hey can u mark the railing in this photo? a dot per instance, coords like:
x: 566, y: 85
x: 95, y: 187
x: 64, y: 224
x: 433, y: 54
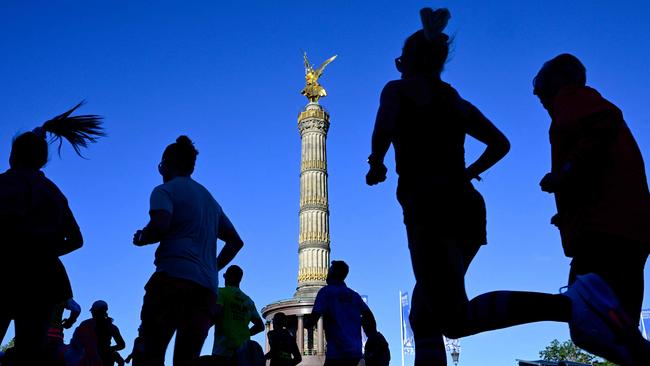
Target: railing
x: 310, y: 352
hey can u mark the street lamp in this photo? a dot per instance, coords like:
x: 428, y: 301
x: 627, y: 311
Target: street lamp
x: 453, y: 346
x: 454, y: 356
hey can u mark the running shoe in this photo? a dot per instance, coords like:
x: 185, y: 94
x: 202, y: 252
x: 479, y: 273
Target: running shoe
x: 598, y: 323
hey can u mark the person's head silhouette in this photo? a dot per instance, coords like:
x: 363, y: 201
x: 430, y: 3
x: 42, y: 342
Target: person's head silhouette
x: 233, y: 276
x: 178, y: 159
x: 30, y: 149
x: 425, y: 51
x: 99, y: 309
x: 557, y: 73
x: 337, y: 273
x: 279, y: 321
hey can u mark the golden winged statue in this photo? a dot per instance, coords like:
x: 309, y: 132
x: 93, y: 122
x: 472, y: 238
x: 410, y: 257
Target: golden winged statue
x: 313, y: 90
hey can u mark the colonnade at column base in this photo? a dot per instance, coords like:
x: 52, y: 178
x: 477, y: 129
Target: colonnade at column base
x: 312, y: 346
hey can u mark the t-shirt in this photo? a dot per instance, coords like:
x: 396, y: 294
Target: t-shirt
x: 91, y: 342
x: 238, y: 311
x: 37, y: 226
x: 606, y: 192
x: 341, y: 309
x: 283, y: 347
x: 189, y: 249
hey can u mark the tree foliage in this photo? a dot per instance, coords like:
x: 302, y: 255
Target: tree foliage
x: 567, y: 351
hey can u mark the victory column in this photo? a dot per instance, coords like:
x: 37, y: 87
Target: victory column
x: 313, y: 238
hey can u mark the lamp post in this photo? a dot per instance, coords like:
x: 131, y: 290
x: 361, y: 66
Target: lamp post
x: 453, y: 346
x: 454, y: 356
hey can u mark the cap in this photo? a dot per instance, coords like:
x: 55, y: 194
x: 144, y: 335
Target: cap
x: 99, y: 305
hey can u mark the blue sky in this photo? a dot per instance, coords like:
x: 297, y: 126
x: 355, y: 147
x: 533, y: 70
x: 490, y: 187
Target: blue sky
x: 229, y: 75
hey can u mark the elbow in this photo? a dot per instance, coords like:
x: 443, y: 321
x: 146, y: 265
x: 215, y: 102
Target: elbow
x: 257, y: 330
x: 120, y: 346
x: 75, y: 241
x: 504, y: 146
x: 237, y: 244
x: 78, y: 243
x: 501, y: 147
x: 369, y: 324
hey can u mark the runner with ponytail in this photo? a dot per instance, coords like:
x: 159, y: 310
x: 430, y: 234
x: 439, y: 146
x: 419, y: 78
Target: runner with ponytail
x: 37, y: 227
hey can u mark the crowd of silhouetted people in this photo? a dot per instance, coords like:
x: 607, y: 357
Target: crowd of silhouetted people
x: 597, y: 177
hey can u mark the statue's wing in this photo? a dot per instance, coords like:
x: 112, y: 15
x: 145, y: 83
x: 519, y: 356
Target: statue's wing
x: 307, y: 64
x: 322, y: 67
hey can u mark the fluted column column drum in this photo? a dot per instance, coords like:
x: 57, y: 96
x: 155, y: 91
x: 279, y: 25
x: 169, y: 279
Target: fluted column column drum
x: 314, y: 233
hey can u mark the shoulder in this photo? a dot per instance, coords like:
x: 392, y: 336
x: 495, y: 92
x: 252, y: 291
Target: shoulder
x: 165, y: 187
x: 244, y: 295
x: 245, y: 299
x: 87, y: 323
x: 321, y: 296
x: 190, y: 181
x: 395, y: 84
x: 175, y: 184
x: 204, y: 191
x: 357, y: 298
x: 453, y: 97
x: 324, y: 291
x: 575, y: 103
x: 11, y: 184
x: 353, y: 293
x: 446, y: 92
x: 392, y: 89
x: 46, y: 183
x: 250, y: 303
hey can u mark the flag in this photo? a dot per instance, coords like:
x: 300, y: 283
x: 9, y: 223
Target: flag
x: 408, y: 344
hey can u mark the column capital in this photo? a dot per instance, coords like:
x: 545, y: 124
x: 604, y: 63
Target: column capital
x: 313, y: 125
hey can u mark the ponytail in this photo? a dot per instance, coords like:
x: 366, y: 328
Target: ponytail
x: 30, y: 148
x: 426, y: 50
x: 78, y: 130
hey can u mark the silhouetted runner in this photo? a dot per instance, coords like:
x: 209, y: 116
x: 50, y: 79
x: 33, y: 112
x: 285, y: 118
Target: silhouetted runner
x: 181, y: 296
x: 55, y: 345
x: 37, y: 228
x: 107, y: 332
x: 603, y: 204
x: 92, y: 341
x: 344, y: 313
x: 137, y: 352
x: 427, y: 121
x: 283, y: 348
x: 237, y: 311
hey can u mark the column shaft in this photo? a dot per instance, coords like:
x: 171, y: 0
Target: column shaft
x: 321, y: 337
x: 313, y: 124
x: 267, y: 346
x: 300, y: 334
